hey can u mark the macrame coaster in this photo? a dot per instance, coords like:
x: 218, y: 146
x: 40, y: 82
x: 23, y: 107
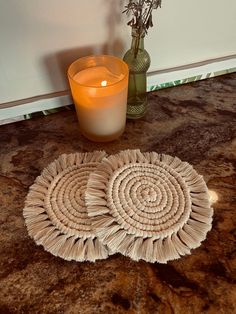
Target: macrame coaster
x: 55, y: 212
x: 148, y: 206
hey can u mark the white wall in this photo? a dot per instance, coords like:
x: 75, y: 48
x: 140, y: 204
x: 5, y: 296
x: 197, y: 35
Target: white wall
x: 190, y: 31
x: 39, y: 38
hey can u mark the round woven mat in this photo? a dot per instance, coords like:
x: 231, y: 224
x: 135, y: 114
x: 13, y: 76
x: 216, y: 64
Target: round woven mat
x: 55, y: 212
x: 148, y: 206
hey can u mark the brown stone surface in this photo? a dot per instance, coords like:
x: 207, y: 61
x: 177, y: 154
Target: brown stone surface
x: 196, y: 122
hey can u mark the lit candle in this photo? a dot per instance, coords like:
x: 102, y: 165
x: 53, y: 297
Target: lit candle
x: 99, y: 89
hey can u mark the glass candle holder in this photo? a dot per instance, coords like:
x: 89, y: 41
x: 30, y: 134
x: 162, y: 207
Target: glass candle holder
x: 99, y: 86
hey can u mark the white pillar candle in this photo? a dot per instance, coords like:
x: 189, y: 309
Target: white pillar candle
x: 100, y: 95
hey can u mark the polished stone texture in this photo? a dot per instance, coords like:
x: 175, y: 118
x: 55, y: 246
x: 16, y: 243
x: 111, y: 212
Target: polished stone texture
x: 197, y: 123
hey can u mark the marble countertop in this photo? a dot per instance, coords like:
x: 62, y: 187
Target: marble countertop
x: 197, y: 123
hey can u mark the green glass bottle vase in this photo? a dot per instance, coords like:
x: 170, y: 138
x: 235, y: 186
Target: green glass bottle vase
x: 138, y: 61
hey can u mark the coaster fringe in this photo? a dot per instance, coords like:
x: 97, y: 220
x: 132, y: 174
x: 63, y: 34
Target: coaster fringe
x: 161, y: 255
x: 114, y: 240
x: 203, y: 228
x: 98, y: 210
x: 147, y: 249
x: 123, y: 247
x: 44, y: 234
x: 170, y: 250
x: 175, y: 163
x: 134, y: 249
x: 194, y: 233
x: 201, y: 218
x: 166, y: 159
x: 47, y: 241
x: 103, y: 222
x: 204, y: 211
x: 180, y: 247
x: 187, y: 239
x: 105, y: 232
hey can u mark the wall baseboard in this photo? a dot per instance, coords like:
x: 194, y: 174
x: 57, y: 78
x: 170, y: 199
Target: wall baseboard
x: 191, y: 72
x: 21, y: 109
x: 43, y: 104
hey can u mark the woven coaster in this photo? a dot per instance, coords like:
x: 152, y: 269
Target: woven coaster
x: 55, y: 212
x: 148, y: 206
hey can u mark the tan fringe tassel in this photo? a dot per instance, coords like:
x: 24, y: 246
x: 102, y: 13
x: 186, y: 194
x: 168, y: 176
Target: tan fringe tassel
x: 55, y: 212
x: 148, y: 206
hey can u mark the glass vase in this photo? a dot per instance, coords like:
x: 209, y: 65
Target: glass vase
x: 138, y: 61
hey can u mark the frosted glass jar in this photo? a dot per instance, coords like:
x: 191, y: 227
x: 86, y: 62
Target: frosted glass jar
x: 99, y: 86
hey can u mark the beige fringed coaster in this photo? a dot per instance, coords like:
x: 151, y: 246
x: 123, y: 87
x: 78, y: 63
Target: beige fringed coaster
x: 55, y: 213
x: 148, y: 206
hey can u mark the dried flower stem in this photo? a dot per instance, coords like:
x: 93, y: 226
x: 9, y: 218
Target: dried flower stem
x: 141, y: 11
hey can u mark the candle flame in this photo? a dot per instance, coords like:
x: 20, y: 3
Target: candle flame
x: 104, y: 83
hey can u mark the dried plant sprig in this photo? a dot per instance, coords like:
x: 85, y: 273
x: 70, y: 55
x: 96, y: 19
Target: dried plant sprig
x: 141, y: 11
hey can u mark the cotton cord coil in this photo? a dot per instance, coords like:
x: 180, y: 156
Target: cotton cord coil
x: 148, y: 206
x: 55, y: 212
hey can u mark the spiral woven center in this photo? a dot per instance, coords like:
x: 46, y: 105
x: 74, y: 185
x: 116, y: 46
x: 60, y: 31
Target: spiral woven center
x: 65, y: 203
x: 149, y: 199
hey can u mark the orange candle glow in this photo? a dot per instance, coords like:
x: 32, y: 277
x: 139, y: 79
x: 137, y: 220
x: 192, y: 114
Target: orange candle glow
x: 99, y: 89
